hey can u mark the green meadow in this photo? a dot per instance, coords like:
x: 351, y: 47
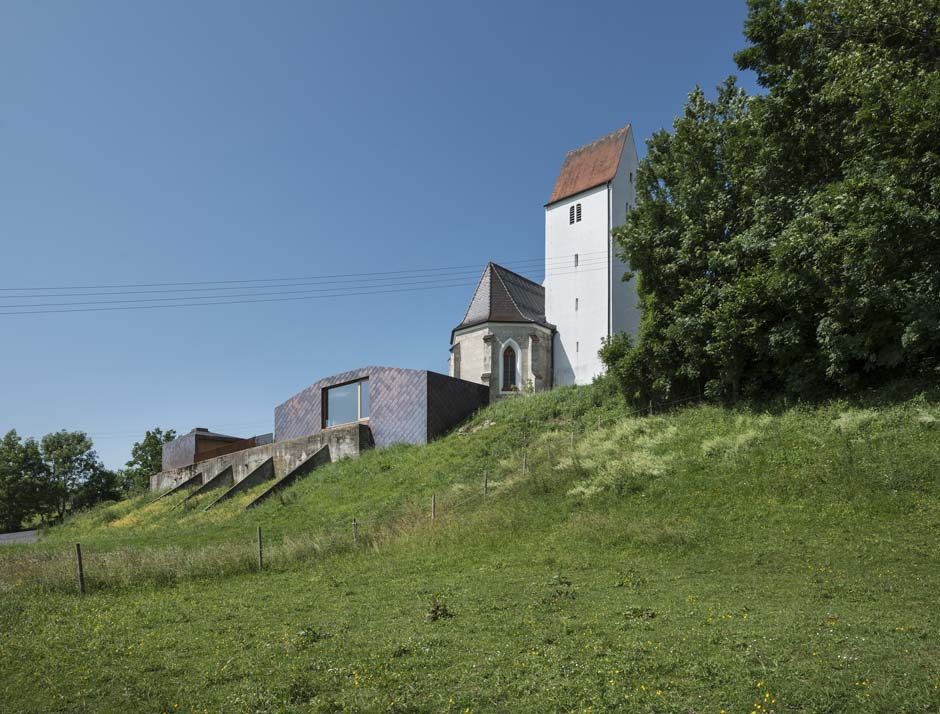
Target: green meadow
x: 703, y: 559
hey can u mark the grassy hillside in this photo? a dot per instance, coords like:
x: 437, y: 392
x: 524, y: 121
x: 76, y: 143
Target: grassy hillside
x: 702, y: 560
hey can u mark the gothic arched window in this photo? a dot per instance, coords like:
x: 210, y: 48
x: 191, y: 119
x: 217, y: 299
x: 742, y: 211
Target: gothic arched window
x: 509, y: 369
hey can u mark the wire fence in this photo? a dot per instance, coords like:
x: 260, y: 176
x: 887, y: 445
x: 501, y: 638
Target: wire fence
x: 263, y: 548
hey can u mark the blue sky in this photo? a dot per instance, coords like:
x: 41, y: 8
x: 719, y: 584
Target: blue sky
x: 207, y: 141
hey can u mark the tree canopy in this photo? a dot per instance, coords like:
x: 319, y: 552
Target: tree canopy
x: 48, y: 478
x: 22, y: 473
x: 791, y: 241
x: 146, y: 458
x: 70, y: 462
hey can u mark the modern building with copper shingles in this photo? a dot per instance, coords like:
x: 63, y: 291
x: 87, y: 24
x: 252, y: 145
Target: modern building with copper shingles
x: 396, y: 406
x: 410, y: 406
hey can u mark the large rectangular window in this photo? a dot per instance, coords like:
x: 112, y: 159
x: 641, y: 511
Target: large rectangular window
x: 346, y: 403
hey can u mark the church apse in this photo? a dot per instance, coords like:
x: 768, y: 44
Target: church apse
x: 504, y: 341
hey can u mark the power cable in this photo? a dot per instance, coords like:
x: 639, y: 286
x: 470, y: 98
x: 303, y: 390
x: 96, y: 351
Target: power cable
x: 425, y: 280
x: 295, y: 282
x: 254, y: 298
x: 267, y: 280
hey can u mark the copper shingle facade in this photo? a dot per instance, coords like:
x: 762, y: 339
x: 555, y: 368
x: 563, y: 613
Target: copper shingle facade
x: 408, y: 406
x: 591, y: 165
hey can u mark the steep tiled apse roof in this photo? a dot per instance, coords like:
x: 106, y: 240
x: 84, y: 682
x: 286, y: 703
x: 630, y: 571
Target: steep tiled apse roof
x: 505, y: 296
x: 590, y: 166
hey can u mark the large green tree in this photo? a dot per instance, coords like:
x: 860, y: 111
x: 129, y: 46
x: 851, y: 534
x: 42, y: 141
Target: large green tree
x: 70, y: 462
x: 47, y: 480
x: 146, y: 459
x: 21, y: 476
x: 792, y: 240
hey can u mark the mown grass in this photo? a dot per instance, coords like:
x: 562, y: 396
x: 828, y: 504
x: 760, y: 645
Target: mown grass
x: 700, y: 560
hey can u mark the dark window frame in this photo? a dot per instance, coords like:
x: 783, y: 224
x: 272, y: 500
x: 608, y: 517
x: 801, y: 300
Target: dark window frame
x: 325, y: 403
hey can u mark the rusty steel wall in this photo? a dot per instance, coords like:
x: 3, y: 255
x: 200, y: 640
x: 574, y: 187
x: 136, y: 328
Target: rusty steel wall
x: 232, y: 446
x: 199, y: 446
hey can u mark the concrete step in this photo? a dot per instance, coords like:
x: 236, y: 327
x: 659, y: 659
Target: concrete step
x: 265, y: 472
x: 225, y: 477
x: 319, y: 458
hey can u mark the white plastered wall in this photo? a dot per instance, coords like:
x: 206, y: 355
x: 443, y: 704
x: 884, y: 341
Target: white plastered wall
x: 580, y: 325
x: 625, y: 312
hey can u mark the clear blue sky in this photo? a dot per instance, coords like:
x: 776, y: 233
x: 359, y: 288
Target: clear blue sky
x: 185, y: 141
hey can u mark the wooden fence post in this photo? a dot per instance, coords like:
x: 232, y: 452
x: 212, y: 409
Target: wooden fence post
x: 651, y: 407
x: 572, y: 439
x: 433, y: 506
x: 355, y: 532
x: 486, y: 484
x: 81, y: 570
x: 260, y: 554
x: 525, y: 455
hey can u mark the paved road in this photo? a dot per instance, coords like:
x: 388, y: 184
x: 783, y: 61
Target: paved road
x: 21, y: 537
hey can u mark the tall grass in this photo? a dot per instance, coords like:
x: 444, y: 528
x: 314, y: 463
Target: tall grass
x: 702, y: 559
x: 570, y: 460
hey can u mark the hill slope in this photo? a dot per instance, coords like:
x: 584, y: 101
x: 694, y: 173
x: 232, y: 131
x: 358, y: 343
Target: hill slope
x: 700, y: 560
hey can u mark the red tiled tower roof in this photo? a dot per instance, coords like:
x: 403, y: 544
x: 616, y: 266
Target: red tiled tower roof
x: 591, y: 165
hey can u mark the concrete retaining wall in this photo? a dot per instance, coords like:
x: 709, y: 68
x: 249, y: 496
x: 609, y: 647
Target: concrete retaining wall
x: 344, y: 442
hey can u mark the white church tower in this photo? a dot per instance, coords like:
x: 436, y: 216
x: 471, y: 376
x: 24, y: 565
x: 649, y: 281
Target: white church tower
x: 585, y: 297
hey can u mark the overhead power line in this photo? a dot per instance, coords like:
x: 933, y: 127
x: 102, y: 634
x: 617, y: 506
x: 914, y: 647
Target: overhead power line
x: 426, y: 280
x: 254, y: 298
x: 555, y: 262
x: 274, y: 279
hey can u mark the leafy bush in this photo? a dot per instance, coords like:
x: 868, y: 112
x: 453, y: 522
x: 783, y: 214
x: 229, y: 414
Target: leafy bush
x: 437, y: 609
